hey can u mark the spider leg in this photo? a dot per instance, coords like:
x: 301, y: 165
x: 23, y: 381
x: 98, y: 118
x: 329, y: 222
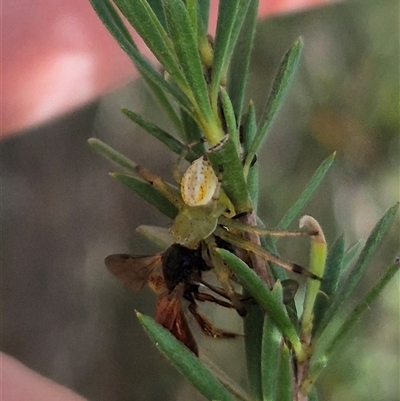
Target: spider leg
x: 264, y: 254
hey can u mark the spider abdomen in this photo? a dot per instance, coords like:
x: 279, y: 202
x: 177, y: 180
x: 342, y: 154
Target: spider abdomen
x: 199, y: 183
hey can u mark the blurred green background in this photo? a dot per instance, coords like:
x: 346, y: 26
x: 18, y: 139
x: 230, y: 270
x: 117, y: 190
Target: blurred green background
x: 65, y: 316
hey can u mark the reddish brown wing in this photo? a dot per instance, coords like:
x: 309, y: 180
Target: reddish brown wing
x: 169, y: 314
x: 134, y: 271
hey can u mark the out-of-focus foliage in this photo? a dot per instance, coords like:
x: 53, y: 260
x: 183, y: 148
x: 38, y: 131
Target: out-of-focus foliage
x: 67, y: 318
x: 345, y: 97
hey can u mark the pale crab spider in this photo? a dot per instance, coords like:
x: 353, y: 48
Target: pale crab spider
x: 205, y: 214
x: 204, y: 201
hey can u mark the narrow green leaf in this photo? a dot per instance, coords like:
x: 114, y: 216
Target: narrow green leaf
x: 159, y: 236
x: 203, y: 13
x: 253, y: 329
x: 230, y: 119
x: 358, y: 270
x: 318, y: 253
x: 191, y: 6
x: 329, y: 285
x: 186, y: 47
x: 163, y: 136
x: 230, y: 18
x: 149, y: 194
x: 365, y: 304
x: 330, y: 347
x: 278, y: 91
x: 109, y: 16
x: 144, y: 20
x: 156, y: 6
x: 156, y: 82
x: 159, y: 94
x: 112, y: 155
x: 263, y: 296
x: 306, y: 194
x: 233, y: 388
x: 249, y: 129
x: 184, y: 360
x: 293, y: 315
x: 192, y: 133
x: 350, y: 254
x: 284, y: 382
x: 113, y: 22
x: 239, y: 66
x: 333, y: 267
x: 270, y: 351
x: 205, y: 46
x: 225, y: 161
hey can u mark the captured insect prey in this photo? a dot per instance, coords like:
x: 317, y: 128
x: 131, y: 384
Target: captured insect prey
x: 180, y: 265
x: 180, y: 280
x: 204, y: 210
x: 286, y: 285
x: 205, y: 216
x: 205, y: 220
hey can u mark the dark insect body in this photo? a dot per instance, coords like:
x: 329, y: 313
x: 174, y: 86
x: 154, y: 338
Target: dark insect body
x: 180, y: 265
x: 181, y: 277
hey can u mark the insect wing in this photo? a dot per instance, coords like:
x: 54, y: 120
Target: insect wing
x: 134, y: 271
x: 169, y: 314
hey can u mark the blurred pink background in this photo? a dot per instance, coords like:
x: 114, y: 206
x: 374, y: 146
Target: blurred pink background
x: 57, y: 55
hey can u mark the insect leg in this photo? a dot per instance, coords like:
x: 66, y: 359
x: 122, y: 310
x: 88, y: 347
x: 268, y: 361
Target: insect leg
x: 169, y: 313
x: 210, y: 298
x: 207, y: 327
